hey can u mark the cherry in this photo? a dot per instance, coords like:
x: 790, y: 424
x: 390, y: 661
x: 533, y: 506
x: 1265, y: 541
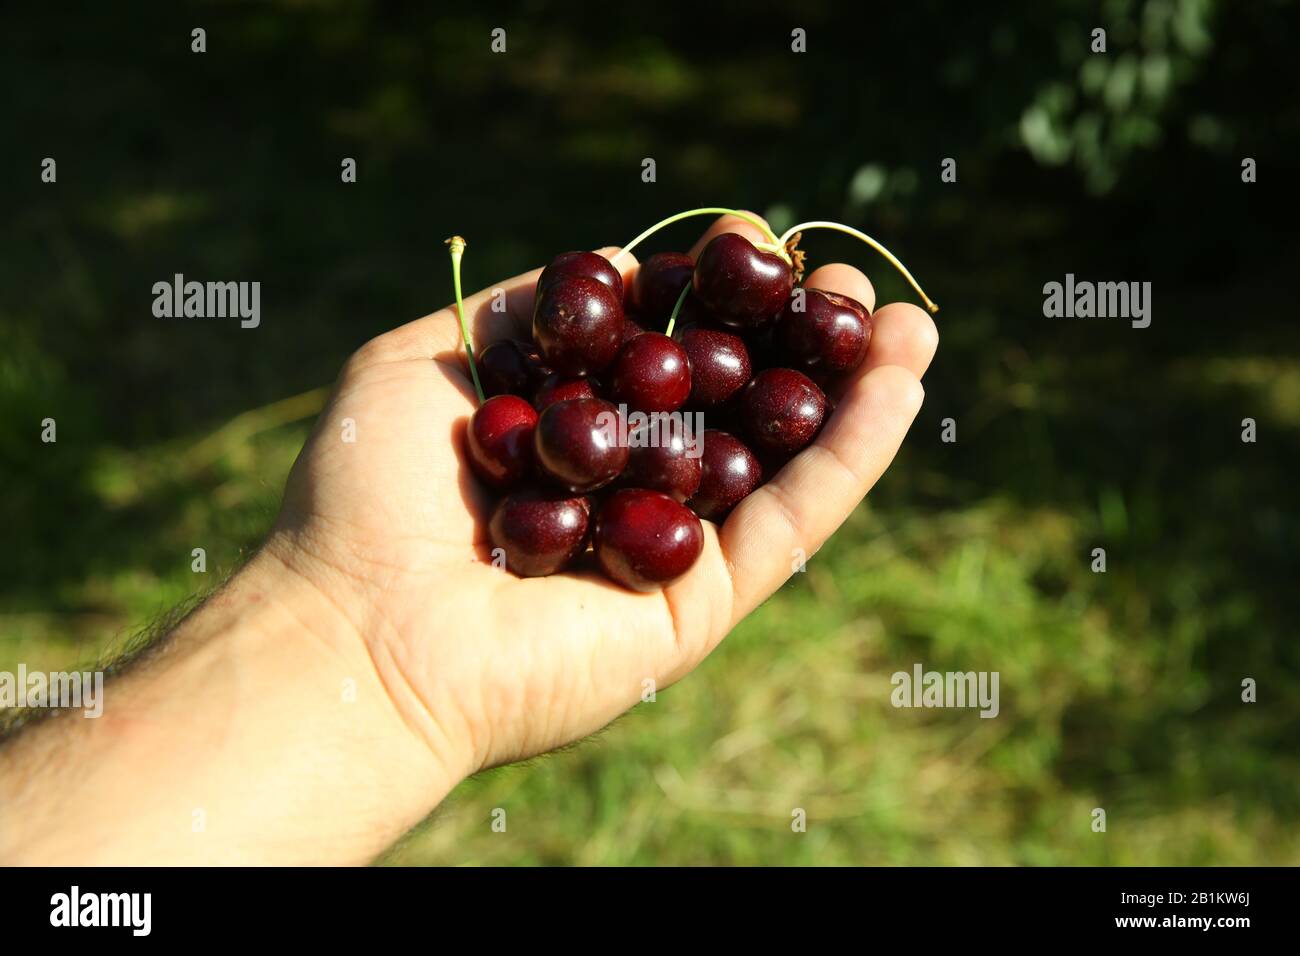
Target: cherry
x: 631, y: 328
x: 578, y: 325
x: 695, y: 312
x: 644, y: 539
x: 742, y: 351
x: 720, y: 364
x: 763, y: 353
x: 503, y: 368
x: 729, y: 472
x: 586, y: 265
x: 557, y: 388
x: 576, y: 443
x: 651, y: 374
x: 831, y: 334
x: 540, y: 533
x: 662, y: 462
x: 782, y: 410
x: 499, y: 440
x: 743, y: 286
x: 659, y: 283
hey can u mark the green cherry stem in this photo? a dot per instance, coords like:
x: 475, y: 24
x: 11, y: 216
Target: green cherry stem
x: 457, y: 248
x: 672, y: 319
x: 849, y: 230
x: 705, y: 211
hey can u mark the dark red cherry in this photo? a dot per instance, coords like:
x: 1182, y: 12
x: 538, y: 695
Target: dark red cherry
x: 533, y: 362
x: 644, y: 539
x: 650, y: 374
x: 782, y: 410
x: 664, y: 457
x: 577, y: 443
x: 504, y: 369
x: 540, y: 533
x: 741, y: 285
x: 720, y: 364
x: 538, y: 370
x: 729, y: 472
x: 831, y: 334
x: 500, y: 440
x: 631, y: 328
x: 763, y: 352
x: 557, y: 388
x: 578, y: 325
x: 695, y: 312
x: 659, y: 283
x: 585, y: 265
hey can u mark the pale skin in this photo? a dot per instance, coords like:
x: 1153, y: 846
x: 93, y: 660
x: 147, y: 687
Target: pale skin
x: 370, y: 657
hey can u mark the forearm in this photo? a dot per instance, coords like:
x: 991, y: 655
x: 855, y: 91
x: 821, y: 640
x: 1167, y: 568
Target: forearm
x: 259, y: 733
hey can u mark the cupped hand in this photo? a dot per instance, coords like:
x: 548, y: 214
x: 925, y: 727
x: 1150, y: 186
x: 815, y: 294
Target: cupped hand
x: 383, y: 516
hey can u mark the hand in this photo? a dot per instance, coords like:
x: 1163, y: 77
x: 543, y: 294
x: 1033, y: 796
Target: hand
x: 369, y: 656
x: 488, y: 668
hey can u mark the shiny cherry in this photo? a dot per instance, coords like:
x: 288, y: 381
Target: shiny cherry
x: 650, y: 374
x: 729, y: 471
x: 830, y: 334
x: 576, y: 443
x: 540, y: 533
x: 644, y: 539
x: 663, y: 459
x: 659, y: 283
x: 695, y: 312
x: 720, y: 364
x: 631, y: 328
x: 499, y: 440
x: 782, y: 410
x: 557, y: 388
x: 741, y: 285
x: 504, y: 369
x: 578, y: 325
x: 586, y: 265
x: 763, y: 352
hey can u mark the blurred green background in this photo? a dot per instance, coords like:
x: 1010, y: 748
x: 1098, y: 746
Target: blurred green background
x: 1118, y: 690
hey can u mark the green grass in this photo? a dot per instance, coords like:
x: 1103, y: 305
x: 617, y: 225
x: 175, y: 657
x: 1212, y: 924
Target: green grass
x: 793, y: 712
x: 1100, y: 703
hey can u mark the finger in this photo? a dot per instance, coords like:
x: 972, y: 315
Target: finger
x: 812, y: 495
x: 625, y: 262
x: 844, y: 280
x: 902, y: 334
x: 730, y: 223
x: 494, y: 313
x: 699, y: 609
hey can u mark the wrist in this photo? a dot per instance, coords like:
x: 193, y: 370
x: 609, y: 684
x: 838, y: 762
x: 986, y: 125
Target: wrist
x: 259, y: 732
x: 364, y: 607
x: 331, y: 660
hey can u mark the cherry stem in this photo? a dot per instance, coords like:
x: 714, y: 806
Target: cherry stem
x: 849, y: 230
x: 672, y: 319
x: 457, y: 248
x: 705, y: 211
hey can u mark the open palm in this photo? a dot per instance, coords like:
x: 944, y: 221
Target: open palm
x: 489, y: 667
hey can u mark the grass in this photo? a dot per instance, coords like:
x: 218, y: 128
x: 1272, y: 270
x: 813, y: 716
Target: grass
x: 793, y: 711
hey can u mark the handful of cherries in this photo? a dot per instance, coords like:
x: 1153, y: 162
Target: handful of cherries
x: 594, y: 430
